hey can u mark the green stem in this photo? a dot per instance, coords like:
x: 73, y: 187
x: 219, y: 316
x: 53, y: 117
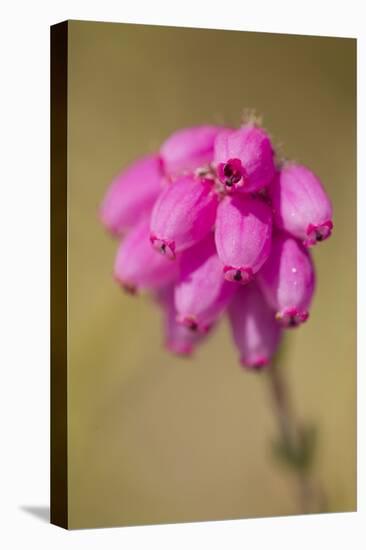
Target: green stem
x: 296, y: 445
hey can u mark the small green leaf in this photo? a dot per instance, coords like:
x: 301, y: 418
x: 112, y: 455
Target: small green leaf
x: 297, y: 455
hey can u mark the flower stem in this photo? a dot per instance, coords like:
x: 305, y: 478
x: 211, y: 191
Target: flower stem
x: 296, y: 445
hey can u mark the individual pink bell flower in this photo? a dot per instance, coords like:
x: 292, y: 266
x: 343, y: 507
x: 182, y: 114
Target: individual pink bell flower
x: 201, y: 293
x: 244, y: 159
x: 178, y: 338
x: 287, y: 280
x: 243, y: 236
x: 132, y: 194
x: 300, y: 204
x: 183, y: 214
x: 189, y: 149
x: 137, y: 266
x: 255, y: 330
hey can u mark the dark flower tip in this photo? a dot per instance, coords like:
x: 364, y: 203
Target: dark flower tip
x: 240, y: 275
x: 129, y: 288
x: 232, y: 173
x: 318, y: 233
x: 188, y: 322
x: 256, y: 365
x: 291, y: 318
x: 166, y: 248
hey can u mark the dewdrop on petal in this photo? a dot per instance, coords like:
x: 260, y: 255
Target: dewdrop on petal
x: 183, y: 214
x: 188, y: 149
x: 132, y: 194
x: 137, y: 266
x: 201, y: 293
x: 179, y: 339
x: 300, y: 204
x: 287, y: 280
x: 243, y: 236
x: 244, y: 159
x: 255, y: 330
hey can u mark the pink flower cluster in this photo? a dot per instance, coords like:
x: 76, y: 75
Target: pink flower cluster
x: 211, y: 224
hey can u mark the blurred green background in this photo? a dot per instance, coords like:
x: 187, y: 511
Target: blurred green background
x: 154, y: 438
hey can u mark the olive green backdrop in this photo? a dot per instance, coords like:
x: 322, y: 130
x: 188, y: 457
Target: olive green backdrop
x: 154, y: 438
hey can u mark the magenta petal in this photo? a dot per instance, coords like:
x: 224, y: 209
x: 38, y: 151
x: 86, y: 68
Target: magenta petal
x: 243, y: 236
x: 132, y: 194
x: 179, y: 339
x: 255, y: 330
x: 137, y: 266
x: 201, y: 293
x: 189, y: 149
x: 183, y: 214
x: 287, y: 280
x: 300, y: 204
x: 244, y: 158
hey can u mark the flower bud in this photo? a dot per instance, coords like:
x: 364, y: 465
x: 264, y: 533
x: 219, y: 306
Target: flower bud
x: 243, y: 236
x: 287, y: 280
x: 300, y: 204
x: 244, y: 159
x: 178, y: 338
x: 183, y: 214
x: 189, y: 149
x: 137, y: 266
x: 255, y: 330
x: 132, y: 194
x: 201, y: 293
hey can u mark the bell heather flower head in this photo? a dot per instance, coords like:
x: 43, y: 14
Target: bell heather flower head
x: 183, y: 214
x: 255, y: 330
x: 189, y: 149
x: 243, y: 236
x: 288, y: 280
x: 135, y: 251
x: 201, y: 293
x: 244, y: 158
x: 212, y: 225
x: 132, y: 194
x: 300, y: 204
x: 178, y: 338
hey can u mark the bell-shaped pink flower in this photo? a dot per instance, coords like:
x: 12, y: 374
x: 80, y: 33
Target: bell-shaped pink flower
x: 244, y: 158
x: 255, y: 330
x: 137, y: 266
x: 183, y: 214
x: 179, y: 339
x: 243, y: 236
x: 300, y: 204
x: 189, y: 149
x: 201, y: 293
x: 287, y: 280
x: 132, y: 194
